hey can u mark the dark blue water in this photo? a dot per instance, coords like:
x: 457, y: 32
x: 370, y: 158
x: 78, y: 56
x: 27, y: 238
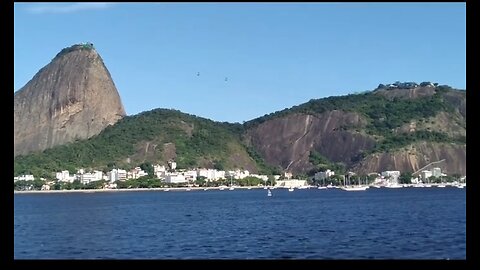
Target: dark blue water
x: 408, y: 223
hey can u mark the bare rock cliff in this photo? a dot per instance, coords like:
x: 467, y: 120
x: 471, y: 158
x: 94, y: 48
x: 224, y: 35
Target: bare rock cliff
x: 71, y: 98
x: 451, y: 158
x: 287, y: 141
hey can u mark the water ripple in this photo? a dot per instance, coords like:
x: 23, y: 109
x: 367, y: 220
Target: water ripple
x: 306, y: 224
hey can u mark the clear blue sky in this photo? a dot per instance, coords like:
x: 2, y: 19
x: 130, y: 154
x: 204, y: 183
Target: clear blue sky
x: 275, y: 55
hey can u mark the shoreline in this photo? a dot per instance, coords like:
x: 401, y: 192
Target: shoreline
x: 187, y: 189
x: 129, y: 189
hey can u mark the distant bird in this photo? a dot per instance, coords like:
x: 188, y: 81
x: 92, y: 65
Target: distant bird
x: 198, y: 73
x: 226, y: 78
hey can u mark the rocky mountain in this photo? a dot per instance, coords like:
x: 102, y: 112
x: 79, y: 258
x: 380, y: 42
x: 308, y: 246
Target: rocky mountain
x: 401, y: 126
x: 71, y: 98
x: 287, y: 141
x: 386, y: 129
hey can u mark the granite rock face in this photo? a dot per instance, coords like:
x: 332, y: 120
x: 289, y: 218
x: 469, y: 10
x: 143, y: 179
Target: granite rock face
x: 72, y: 98
x: 340, y: 136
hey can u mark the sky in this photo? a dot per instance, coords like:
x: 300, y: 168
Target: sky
x: 238, y: 61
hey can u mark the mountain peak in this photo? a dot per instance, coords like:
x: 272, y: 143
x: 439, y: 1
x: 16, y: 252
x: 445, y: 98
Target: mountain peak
x: 86, y: 46
x: 71, y: 98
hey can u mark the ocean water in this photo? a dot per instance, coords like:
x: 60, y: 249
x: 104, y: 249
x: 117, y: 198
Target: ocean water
x: 408, y: 223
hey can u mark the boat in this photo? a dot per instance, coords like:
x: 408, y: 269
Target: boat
x: 354, y: 188
x: 269, y: 193
x: 167, y: 189
x: 394, y: 186
x: 357, y: 187
x: 290, y: 189
x: 231, y: 183
x: 322, y: 187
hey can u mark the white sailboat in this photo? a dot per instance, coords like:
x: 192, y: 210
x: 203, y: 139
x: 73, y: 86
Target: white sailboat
x: 354, y: 188
x: 269, y: 193
x: 231, y: 184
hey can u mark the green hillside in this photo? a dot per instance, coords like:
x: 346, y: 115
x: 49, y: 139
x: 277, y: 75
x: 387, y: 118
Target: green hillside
x: 149, y: 137
x: 385, y: 116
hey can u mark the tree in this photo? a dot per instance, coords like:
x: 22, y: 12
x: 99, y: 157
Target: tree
x: 271, y: 180
x: 57, y: 186
x: 337, y: 180
x: 200, y: 181
x: 371, y: 178
x: 219, y: 165
x: 405, y: 178
x: 148, y: 168
x: 37, y: 184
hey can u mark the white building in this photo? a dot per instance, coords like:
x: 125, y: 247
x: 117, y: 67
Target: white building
x: 293, y: 183
x: 260, y: 176
x: 392, y: 176
x: 190, y: 175
x: 209, y: 174
x: 175, y: 178
x: 117, y: 175
x: 244, y: 174
x: 158, y: 168
x: 425, y: 175
x: 237, y: 174
x: 172, y: 165
x: 136, y: 173
x: 90, y: 177
x: 62, y: 176
x: 437, y: 172
x: 26, y: 177
x: 159, y: 171
x: 391, y: 173
x: 218, y: 175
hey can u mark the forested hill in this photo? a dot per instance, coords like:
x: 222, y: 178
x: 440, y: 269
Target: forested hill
x: 155, y: 136
x: 390, y: 128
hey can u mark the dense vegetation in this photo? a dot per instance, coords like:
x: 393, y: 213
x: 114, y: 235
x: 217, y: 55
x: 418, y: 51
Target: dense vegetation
x: 195, y: 139
x: 383, y: 115
x: 322, y: 163
x: 77, y: 47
